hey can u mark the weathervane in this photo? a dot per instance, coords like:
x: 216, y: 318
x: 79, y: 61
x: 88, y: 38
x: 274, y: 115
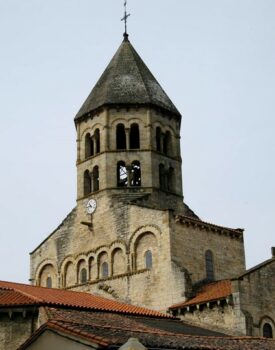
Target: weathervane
x: 126, y: 15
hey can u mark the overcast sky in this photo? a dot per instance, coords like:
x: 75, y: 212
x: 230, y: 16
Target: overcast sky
x: 214, y: 58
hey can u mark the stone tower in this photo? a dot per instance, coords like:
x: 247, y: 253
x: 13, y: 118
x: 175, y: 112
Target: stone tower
x: 128, y: 136
x: 131, y: 237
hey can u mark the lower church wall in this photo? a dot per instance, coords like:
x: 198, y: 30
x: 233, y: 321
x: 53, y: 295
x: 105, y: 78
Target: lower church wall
x: 14, y: 330
x: 257, y: 295
x: 218, y: 318
x: 143, y: 288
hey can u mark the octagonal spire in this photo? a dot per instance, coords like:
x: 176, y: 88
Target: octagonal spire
x: 127, y: 81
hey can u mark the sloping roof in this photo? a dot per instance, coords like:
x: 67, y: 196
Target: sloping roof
x: 115, y: 330
x: 17, y: 294
x: 208, y: 292
x: 127, y: 81
x: 257, y: 267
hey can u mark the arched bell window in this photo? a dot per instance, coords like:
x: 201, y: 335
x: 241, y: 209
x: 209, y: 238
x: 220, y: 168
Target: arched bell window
x: 167, y: 143
x: 97, y: 141
x: 162, y: 184
x: 49, y: 282
x: 95, y: 179
x: 134, y: 136
x: 148, y: 259
x: 87, y: 183
x: 209, y: 265
x: 83, y: 275
x: 135, y: 174
x: 171, y: 179
x: 158, y: 139
x: 120, y: 137
x: 267, y: 331
x: 105, y: 270
x: 122, y: 177
x: 89, y: 146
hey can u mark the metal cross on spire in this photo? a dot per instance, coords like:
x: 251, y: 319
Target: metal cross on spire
x: 125, y: 18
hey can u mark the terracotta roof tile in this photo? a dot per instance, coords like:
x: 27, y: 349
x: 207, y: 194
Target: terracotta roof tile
x: 209, y: 292
x: 16, y: 294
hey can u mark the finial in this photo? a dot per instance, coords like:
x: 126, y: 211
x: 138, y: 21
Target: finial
x: 125, y: 18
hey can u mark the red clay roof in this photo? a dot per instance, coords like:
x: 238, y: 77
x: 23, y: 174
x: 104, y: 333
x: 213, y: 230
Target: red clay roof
x: 209, y: 292
x: 17, y: 294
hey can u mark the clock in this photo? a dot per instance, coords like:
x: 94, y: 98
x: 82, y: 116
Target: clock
x: 91, y: 206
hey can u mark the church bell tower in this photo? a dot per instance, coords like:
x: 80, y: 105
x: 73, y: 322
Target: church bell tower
x: 128, y: 136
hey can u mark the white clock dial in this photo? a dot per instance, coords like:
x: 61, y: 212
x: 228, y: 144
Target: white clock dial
x: 91, y: 206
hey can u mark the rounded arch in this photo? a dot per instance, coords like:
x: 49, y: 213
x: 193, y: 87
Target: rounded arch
x: 87, y: 182
x: 102, y: 262
x: 118, y: 261
x: 89, y: 146
x: 97, y: 140
x: 42, y: 264
x: 91, y: 129
x: 120, y: 137
x: 92, y: 266
x: 69, y: 274
x: 47, y: 276
x: 82, y: 273
x: 135, y: 176
x: 122, y: 174
x: 267, y: 327
x: 145, y: 251
x: 134, y: 136
x: 95, y: 178
x: 154, y: 229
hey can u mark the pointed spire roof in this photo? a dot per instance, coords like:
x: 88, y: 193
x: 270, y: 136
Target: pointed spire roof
x: 127, y: 80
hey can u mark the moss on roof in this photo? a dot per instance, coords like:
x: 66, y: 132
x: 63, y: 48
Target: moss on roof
x: 127, y: 81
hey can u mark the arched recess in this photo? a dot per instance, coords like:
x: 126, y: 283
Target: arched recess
x: 47, y: 276
x: 97, y: 141
x: 147, y: 241
x: 95, y: 178
x: 118, y: 261
x: 167, y: 143
x: 134, y: 136
x: 82, y: 275
x: 89, y: 146
x: 103, y: 265
x: 120, y: 137
x: 69, y: 274
x: 87, y: 183
x: 135, y: 173
x: 122, y: 176
x: 267, y: 327
x: 92, y: 268
x: 162, y: 180
x: 171, y: 180
x: 158, y: 139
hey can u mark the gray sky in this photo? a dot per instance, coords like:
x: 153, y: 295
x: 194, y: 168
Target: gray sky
x: 214, y: 58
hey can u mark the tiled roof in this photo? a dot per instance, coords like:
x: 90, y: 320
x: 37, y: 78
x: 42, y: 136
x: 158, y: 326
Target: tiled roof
x: 115, y: 330
x: 187, y: 219
x: 209, y: 292
x: 17, y: 294
x: 127, y: 81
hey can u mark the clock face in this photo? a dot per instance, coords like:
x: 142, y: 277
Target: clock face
x: 91, y: 206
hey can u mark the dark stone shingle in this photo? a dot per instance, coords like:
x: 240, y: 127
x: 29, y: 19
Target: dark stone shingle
x: 125, y: 81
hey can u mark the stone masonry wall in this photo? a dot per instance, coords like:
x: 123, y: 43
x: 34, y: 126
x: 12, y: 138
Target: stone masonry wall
x: 190, y: 242
x: 14, y: 330
x: 257, y: 295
